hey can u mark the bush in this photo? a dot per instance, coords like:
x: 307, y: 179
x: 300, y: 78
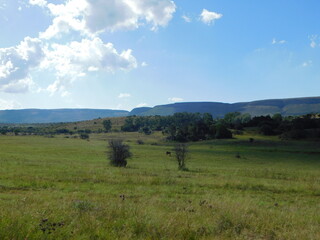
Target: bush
x: 84, y: 136
x: 118, y: 153
x: 140, y: 142
x: 181, y: 152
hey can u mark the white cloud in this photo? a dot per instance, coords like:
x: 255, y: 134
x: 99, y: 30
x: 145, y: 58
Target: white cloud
x: 19, y: 86
x: 93, y: 69
x: 75, y: 59
x: 141, y: 105
x: 186, y: 18
x: 274, y: 41
x: 208, y: 17
x: 40, y: 3
x: 17, y: 62
x: 175, y: 99
x: 91, y: 17
x: 9, y: 104
x: 124, y: 95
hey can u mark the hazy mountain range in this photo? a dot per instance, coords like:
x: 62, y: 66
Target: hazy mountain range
x: 293, y: 106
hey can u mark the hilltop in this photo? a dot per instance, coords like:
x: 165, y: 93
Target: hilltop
x: 286, y: 107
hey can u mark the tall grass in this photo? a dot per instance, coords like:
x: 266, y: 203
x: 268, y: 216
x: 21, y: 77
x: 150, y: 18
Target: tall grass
x: 59, y: 188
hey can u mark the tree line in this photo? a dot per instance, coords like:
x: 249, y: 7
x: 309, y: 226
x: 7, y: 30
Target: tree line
x: 181, y: 127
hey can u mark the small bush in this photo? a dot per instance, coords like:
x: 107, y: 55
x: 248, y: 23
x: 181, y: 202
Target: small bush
x: 84, y: 136
x: 118, y: 153
x: 140, y: 142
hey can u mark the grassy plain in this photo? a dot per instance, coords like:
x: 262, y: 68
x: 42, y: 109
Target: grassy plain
x: 63, y: 188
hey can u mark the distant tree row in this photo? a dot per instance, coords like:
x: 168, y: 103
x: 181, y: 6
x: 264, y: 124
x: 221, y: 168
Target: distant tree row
x: 292, y: 127
x: 181, y: 127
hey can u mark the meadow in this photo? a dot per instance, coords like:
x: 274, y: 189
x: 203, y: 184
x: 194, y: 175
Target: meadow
x: 64, y: 188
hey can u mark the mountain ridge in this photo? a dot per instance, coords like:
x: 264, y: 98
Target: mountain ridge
x: 286, y: 107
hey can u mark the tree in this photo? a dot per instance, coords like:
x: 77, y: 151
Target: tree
x: 222, y: 132
x: 118, y: 153
x: 107, y: 125
x: 181, y: 152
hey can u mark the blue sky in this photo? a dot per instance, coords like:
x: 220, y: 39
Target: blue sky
x: 120, y: 54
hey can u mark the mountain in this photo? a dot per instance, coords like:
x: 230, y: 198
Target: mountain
x: 287, y: 107
x: 56, y: 115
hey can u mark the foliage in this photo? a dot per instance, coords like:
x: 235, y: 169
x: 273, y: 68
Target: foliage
x: 180, y: 127
x: 181, y: 152
x: 118, y: 153
x: 222, y: 132
x: 84, y: 136
x: 107, y: 125
x: 67, y: 182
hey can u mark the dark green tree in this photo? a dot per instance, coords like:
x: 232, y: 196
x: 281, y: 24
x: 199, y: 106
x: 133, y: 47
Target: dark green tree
x: 107, y: 125
x: 118, y: 153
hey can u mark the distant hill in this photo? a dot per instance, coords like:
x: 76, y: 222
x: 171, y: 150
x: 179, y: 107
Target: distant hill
x: 56, y: 115
x: 287, y: 107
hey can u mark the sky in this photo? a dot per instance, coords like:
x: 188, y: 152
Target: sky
x: 122, y: 54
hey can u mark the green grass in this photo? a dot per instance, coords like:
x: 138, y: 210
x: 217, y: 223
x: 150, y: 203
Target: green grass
x: 64, y: 188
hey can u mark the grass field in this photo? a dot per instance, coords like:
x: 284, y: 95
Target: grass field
x: 64, y: 188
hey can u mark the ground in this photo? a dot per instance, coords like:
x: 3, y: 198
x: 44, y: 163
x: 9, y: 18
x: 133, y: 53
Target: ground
x: 64, y: 188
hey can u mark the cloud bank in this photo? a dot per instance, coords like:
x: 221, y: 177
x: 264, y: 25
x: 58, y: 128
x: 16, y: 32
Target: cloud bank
x: 75, y: 59
x: 16, y: 63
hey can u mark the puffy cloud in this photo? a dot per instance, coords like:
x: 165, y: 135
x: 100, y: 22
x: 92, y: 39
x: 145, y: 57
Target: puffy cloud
x: 41, y: 3
x: 9, y: 104
x: 91, y: 17
x: 208, y: 17
x: 78, y: 58
x: 186, y: 18
x: 75, y: 59
x: 17, y: 62
x: 124, y: 95
x: 175, y: 99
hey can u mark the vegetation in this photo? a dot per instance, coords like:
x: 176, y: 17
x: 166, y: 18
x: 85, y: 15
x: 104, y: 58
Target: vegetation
x: 258, y: 185
x: 62, y: 188
x: 107, y: 125
x: 84, y: 136
x: 118, y: 153
x: 181, y: 151
x: 181, y: 127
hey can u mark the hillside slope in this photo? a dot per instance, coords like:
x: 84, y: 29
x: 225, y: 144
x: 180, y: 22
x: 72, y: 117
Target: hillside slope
x: 56, y: 115
x: 293, y: 106
x: 287, y: 107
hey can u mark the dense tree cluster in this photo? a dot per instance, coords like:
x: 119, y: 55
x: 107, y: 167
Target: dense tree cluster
x: 298, y: 127
x: 181, y: 127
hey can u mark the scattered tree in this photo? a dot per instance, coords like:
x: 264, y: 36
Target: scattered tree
x: 181, y: 152
x: 118, y: 153
x: 107, y: 125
